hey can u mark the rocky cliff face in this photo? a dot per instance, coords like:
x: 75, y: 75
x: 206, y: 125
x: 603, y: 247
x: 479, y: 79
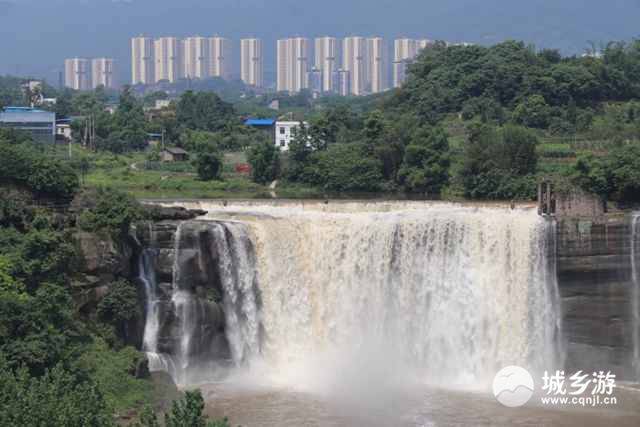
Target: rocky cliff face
x: 103, y: 258
x: 597, y: 288
x: 594, y: 268
x: 180, y: 273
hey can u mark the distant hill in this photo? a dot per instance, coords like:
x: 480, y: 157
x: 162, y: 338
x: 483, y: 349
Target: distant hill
x: 36, y: 35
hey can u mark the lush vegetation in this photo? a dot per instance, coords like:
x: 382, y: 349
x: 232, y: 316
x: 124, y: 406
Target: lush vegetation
x: 471, y: 122
x: 59, y: 364
x: 186, y: 412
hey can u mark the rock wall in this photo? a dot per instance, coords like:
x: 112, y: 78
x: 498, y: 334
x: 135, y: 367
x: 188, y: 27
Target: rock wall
x: 597, y: 290
x: 102, y: 259
x: 185, y: 331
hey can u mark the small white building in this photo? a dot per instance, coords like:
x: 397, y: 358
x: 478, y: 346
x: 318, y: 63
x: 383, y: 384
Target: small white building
x: 162, y: 103
x: 64, y: 129
x: 285, y: 132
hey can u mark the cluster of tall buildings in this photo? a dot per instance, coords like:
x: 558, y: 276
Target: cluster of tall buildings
x: 171, y: 59
x: 349, y: 66
x: 405, y: 51
x: 86, y: 74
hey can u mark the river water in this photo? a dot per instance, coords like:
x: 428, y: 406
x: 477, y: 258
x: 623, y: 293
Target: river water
x: 411, y: 406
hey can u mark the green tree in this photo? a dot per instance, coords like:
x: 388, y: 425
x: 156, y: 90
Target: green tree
x: 624, y: 170
x: 264, y: 159
x: 58, y: 398
x: 109, y: 209
x: 499, y: 163
x: 119, y: 307
x: 203, y: 111
x: 208, y: 165
x: 592, y: 174
x: 426, y: 162
x: 186, y: 412
x: 345, y: 167
x: 22, y: 164
x: 532, y: 112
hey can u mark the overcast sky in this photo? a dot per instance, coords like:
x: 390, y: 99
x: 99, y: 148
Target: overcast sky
x: 36, y: 35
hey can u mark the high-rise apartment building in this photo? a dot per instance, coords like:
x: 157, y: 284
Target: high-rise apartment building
x: 293, y: 64
x: 354, y: 59
x: 195, y: 57
x: 77, y: 73
x: 219, y: 57
x: 326, y: 54
x: 251, y: 62
x: 315, y: 82
x: 405, y: 51
x: 142, y: 64
x: 376, y: 65
x: 102, y: 73
x: 168, y: 59
x: 342, y: 81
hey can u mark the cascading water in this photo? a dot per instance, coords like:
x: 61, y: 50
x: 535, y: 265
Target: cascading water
x: 440, y: 292
x: 213, y: 266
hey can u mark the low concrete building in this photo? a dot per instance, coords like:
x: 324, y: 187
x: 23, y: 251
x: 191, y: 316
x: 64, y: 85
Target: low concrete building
x: 63, y: 130
x: 174, y: 154
x: 41, y: 125
x: 285, y: 131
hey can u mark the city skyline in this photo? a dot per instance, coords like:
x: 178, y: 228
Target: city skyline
x: 323, y: 64
x: 89, y: 26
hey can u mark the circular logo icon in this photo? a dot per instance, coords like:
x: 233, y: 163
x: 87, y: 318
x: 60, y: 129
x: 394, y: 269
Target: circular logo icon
x: 513, y: 386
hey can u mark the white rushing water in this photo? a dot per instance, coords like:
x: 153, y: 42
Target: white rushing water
x: 364, y: 293
x: 184, y: 317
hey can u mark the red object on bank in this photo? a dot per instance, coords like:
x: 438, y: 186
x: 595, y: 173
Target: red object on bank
x: 243, y: 168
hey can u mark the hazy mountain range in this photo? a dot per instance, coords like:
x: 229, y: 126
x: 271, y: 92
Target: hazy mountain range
x: 36, y: 35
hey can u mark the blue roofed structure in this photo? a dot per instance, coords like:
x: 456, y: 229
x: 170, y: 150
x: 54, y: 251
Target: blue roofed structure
x: 260, y: 122
x: 40, y: 124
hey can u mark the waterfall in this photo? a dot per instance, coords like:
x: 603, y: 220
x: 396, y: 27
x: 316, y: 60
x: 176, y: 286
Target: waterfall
x: 213, y: 267
x: 445, y: 293
x: 241, y: 294
x: 152, y: 324
x: 635, y: 295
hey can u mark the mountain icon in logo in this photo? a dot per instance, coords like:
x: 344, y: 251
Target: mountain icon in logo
x: 513, y: 386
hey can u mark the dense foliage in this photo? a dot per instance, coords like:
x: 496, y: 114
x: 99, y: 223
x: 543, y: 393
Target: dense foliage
x: 22, y: 164
x: 57, y: 398
x: 264, y: 159
x: 500, y: 163
x: 55, y: 370
x: 539, y: 87
x: 186, y: 412
x: 208, y: 164
x: 110, y: 210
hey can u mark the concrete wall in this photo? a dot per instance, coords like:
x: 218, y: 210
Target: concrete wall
x: 597, y: 290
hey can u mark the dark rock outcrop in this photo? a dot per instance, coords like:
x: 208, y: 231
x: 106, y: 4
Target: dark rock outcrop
x: 173, y: 213
x: 199, y: 279
x: 100, y: 261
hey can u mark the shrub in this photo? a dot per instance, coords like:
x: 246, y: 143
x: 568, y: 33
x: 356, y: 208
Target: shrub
x: 208, y: 165
x: 345, y: 167
x: 112, y: 372
x: 59, y: 398
x: 119, y: 306
x: 25, y: 166
x: 264, y: 159
x: 111, y: 210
